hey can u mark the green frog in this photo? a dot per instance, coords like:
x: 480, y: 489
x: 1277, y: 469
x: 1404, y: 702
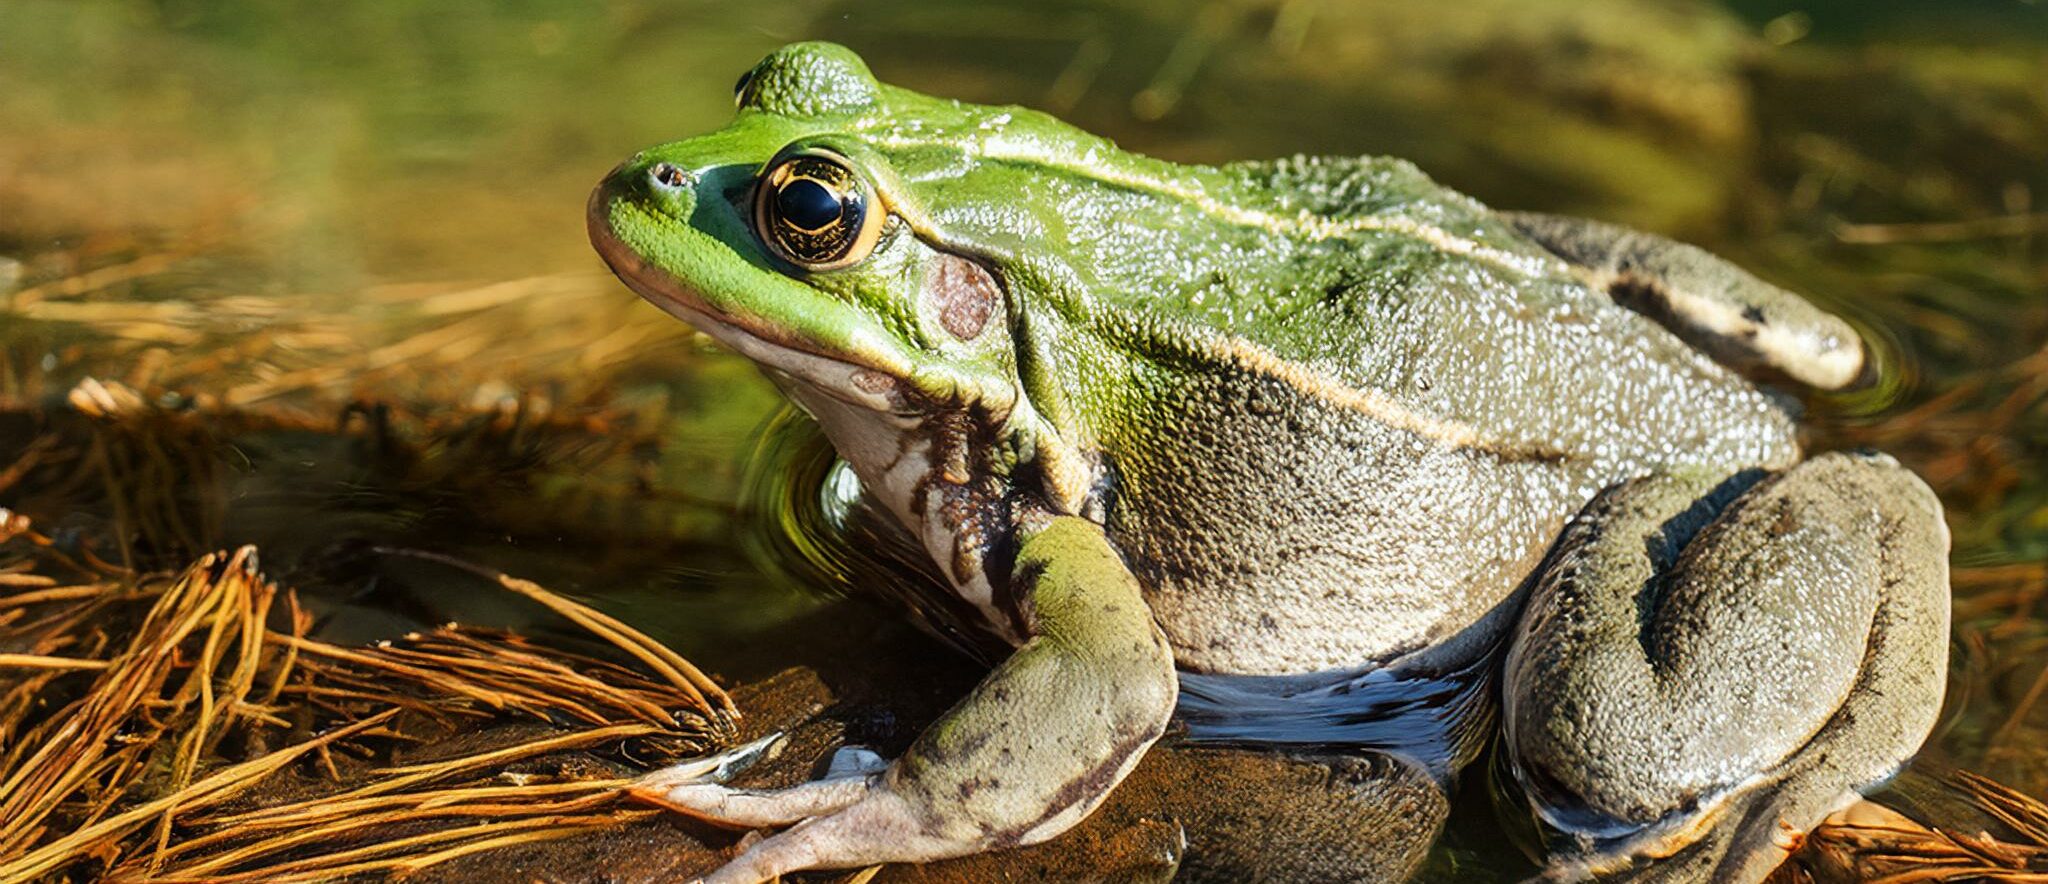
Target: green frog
x: 1158, y: 423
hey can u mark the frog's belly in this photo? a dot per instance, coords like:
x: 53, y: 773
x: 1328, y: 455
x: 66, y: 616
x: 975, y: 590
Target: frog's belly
x: 1353, y: 545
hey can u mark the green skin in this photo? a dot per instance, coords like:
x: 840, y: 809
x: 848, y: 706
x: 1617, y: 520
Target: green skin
x: 1305, y: 416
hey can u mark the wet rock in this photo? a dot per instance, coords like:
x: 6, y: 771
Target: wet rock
x: 1187, y: 813
x: 1264, y: 815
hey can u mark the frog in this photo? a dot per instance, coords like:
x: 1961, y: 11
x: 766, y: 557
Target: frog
x: 1159, y: 425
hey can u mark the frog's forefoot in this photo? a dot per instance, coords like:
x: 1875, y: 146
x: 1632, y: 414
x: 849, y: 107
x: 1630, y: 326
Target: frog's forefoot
x: 840, y: 823
x: 1029, y: 753
x: 1706, y: 669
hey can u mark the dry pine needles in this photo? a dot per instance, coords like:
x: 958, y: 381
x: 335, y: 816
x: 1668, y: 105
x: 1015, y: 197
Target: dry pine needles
x: 186, y: 727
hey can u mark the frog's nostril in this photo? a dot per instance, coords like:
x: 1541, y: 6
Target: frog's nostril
x: 667, y: 175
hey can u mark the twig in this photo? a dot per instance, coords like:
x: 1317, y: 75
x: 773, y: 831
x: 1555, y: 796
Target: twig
x: 655, y: 655
x: 32, y: 661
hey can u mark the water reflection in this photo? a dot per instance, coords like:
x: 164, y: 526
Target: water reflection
x: 1439, y: 719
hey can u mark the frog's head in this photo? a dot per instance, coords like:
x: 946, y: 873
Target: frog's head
x: 865, y: 244
x: 780, y: 237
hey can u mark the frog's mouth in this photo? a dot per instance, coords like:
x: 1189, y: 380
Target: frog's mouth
x: 872, y: 414
x: 837, y: 374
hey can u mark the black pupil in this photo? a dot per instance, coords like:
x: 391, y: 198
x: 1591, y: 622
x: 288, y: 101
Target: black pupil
x: 807, y: 204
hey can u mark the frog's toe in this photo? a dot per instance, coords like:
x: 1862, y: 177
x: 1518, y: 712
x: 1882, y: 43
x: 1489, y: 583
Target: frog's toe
x: 747, y: 808
x: 716, y: 768
x: 844, y: 839
x: 840, y: 824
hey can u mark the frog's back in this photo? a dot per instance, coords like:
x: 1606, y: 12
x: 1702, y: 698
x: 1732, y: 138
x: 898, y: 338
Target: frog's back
x: 1379, y: 289
x: 1356, y: 429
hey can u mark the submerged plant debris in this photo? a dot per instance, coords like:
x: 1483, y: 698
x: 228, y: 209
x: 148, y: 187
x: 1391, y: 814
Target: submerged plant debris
x: 186, y: 726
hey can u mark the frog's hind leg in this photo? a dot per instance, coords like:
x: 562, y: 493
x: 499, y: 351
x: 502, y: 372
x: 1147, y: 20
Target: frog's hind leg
x: 1706, y: 669
x: 1710, y: 303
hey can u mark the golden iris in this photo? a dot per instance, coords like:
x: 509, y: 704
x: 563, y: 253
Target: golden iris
x: 812, y: 210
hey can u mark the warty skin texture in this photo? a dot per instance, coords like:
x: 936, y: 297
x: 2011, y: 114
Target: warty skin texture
x: 1319, y: 415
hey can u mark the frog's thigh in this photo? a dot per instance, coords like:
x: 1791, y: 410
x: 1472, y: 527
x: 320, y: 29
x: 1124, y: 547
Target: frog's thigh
x: 1029, y: 753
x: 1710, y: 303
x: 1696, y: 674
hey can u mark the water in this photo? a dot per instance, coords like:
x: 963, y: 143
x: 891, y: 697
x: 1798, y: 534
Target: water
x: 359, y: 233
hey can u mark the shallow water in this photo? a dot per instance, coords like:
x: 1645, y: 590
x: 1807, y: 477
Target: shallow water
x: 361, y: 231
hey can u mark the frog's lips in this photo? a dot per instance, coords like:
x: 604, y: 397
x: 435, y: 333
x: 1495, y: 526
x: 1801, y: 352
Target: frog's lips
x: 833, y: 375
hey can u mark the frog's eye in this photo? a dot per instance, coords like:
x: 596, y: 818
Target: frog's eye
x: 812, y: 210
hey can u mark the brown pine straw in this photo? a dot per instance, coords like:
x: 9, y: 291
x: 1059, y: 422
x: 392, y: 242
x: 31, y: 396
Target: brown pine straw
x: 151, y: 724
x: 80, y: 843
x: 32, y: 661
x: 1874, y: 844
x: 678, y: 671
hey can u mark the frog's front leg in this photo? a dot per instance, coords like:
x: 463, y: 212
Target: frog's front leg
x: 1029, y: 753
x: 1707, y: 667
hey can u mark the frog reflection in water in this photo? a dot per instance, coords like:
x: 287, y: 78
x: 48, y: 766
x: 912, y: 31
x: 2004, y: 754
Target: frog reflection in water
x: 1156, y: 422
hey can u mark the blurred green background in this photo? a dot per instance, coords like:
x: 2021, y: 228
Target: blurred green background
x: 326, y: 263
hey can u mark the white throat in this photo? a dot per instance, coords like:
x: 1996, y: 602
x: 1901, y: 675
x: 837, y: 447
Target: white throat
x: 896, y: 457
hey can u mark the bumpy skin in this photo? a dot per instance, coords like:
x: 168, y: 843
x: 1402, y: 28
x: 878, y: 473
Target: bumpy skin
x: 1663, y: 690
x: 1316, y: 415
x: 1087, y: 694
